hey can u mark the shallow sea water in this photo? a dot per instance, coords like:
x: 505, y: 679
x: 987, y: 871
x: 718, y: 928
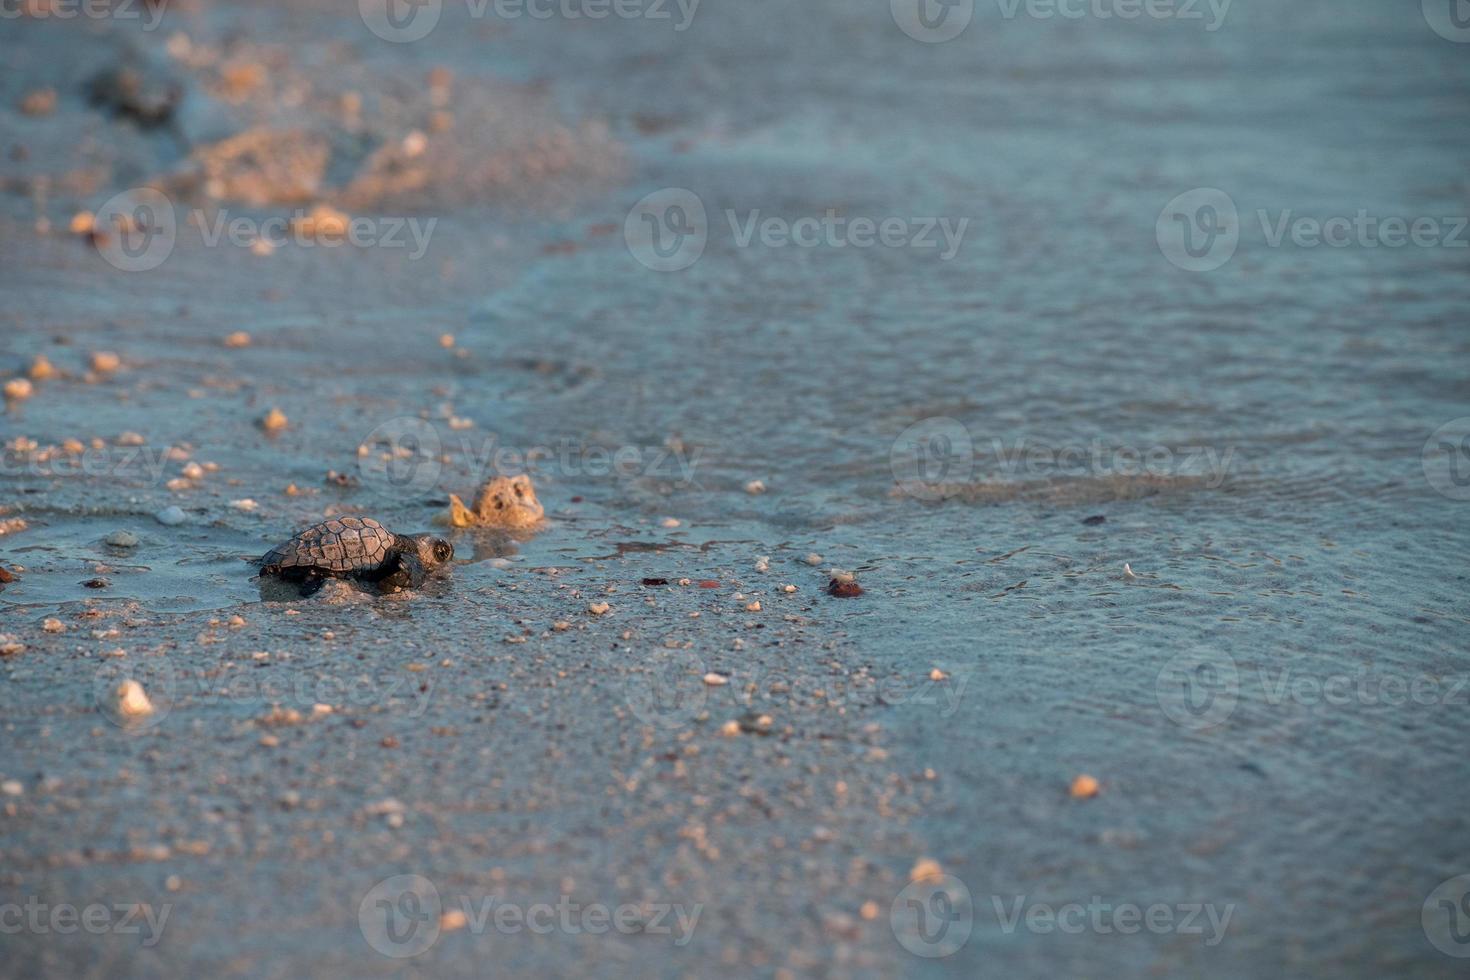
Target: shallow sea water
x: 1287, y: 534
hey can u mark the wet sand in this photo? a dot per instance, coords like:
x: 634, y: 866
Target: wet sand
x: 495, y: 736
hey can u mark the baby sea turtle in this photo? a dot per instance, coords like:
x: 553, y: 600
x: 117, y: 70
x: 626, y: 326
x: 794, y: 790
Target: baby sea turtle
x: 358, y: 548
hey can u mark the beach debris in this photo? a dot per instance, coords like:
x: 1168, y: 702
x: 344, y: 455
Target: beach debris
x: 813, y: 559
x: 121, y: 539
x: 39, y: 102
x: 323, y: 223
x: 12, y: 525
x: 1095, y: 520
x: 788, y: 588
x: 53, y: 626
x: 237, y: 340
x: 246, y: 505
x: 1085, y: 787
x: 446, y: 340
x: 18, y: 389
x: 96, y: 583
x: 730, y: 729
x: 264, y: 166
x: 926, y: 869
x: 145, y: 94
x: 505, y: 501
x: 12, y: 787
x: 452, y: 919
x: 10, y: 646
x: 756, y: 723
x: 938, y: 675
x: 843, y: 585
x: 105, y: 362
x: 132, y: 700
x: 716, y: 680
x: 42, y: 369
x: 598, y: 608
x: 669, y: 522
x: 274, y: 421
x: 755, y: 487
x: 753, y: 606
x: 170, y: 516
x: 655, y: 581
x: 130, y: 439
x: 7, y: 576
x: 763, y: 564
x: 1128, y: 572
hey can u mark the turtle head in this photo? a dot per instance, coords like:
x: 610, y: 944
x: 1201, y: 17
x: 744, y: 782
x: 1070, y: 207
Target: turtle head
x: 431, y: 549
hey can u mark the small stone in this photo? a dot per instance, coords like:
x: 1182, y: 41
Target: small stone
x: 938, y: 675
x: 193, y: 471
x: 132, y: 700
x: 755, y: 487
x: 926, y: 869
x: 122, y: 539
x: 170, y: 516
x: 788, y: 588
x: 42, y: 369
x: 561, y: 625
x: 19, y: 389
x: 12, y: 787
x: 446, y: 340
x: 247, y: 505
x: 238, y: 339
x: 813, y: 559
x: 844, y: 590
x: 869, y: 911
x: 670, y: 522
x: 274, y: 421
x: 131, y: 439
x: 96, y: 583
x: 53, y: 626
x: 7, y: 576
x: 1085, y: 787
x: 82, y: 223
x: 10, y: 646
x: 763, y: 564
x: 105, y: 362
x: 39, y: 101
x: 452, y: 919
x: 716, y: 680
x: 598, y: 608
x: 754, y: 606
x: 1095, y: 520
x: 730, y: 729
x: 237, y: 621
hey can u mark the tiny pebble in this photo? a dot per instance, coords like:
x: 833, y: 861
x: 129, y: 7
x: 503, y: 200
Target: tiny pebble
x: 238, y: 339
x: 716, y: 680
x: 670, y: 522
x: 170, y: 516
x: 813, y: 559
x: 19, y: 389
x: 193, y: 471
x: 1085, y: 787
x: 53, y: 626
x: 598, y: 608
x: 122, y: 539
x: 105, y: 362
x: 755, y: 487
x: 274, y: 421
x: 132, y: 700
x: 247, y: 505
x: 12, y: 787
x: 938, y: 675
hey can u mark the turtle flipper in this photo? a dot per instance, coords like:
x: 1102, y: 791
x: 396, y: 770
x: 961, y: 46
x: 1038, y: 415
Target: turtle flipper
x: 402, y: 571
